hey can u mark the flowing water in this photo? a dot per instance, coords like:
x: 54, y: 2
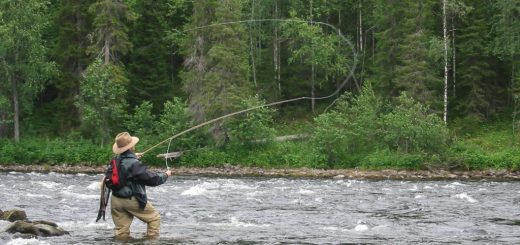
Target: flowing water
x: 211, y: 210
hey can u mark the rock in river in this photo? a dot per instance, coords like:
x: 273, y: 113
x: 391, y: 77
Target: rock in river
x: 13, y: 215
x: 37, y: 228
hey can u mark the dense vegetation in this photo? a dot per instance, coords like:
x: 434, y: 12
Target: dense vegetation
x: 403, y: 84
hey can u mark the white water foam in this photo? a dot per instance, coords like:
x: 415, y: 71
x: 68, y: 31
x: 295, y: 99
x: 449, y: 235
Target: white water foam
x: 237, y: 185
x: 46, y: 184
x: 306, y: 192
x: 93, y: 186
x: 234, y: 222
x: 79, y: 196
x: 195, y: 191
x: 360, y: 228
x: 38, y: 196
x: 454, y: 185
x: 414, y: 188
x: 330, y: 228
x: 458, y: 184
x: 32, y: 241
x: 79, y: 225
x: 465, y: 196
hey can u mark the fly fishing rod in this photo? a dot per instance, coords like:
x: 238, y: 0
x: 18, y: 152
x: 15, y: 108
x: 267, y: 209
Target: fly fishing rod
x: 351, y: 74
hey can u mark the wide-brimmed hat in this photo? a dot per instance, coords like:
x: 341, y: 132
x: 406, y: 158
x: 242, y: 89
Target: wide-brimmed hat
x: 124, y: 141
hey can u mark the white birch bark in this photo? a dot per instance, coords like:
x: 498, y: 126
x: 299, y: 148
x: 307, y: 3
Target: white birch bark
x: 251, y: 49
x: 445, y: 32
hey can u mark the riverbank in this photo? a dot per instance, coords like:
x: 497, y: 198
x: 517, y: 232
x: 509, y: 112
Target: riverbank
x: 232, y: 171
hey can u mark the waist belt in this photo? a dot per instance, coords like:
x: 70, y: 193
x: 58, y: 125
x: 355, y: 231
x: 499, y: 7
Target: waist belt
x: 130, y: 197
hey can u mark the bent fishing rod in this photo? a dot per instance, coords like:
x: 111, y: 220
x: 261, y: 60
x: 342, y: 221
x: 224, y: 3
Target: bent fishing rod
x: 351, y: 74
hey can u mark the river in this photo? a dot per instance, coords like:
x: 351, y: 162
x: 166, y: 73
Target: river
x: 247, y: 210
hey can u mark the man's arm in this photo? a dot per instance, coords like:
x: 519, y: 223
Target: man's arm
x: 144, y: 176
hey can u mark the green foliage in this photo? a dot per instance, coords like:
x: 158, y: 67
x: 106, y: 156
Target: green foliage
x: 252, y: 125
x: 151, y: 48
x: 407, y: 51
x: 110, y: 24
x: 153, y: 65
x: 216, y: 77
x: 385, y: 159
x: 311, y: 46
x: 102, y: 101
x: 175, y: 119
x: 410, y: 127
x: 72, y: 150
x: 24, y: 65
x: 71, y: 24
x: 476, y: 95
x: 142, y: 122
x: 351, y: 128
x: 357, y: 129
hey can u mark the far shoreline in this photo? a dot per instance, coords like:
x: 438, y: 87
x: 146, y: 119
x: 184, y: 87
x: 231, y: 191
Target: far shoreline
x: 239, y: 171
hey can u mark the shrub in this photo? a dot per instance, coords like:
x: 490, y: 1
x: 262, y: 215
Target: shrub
x: 251, y: 126
x: 350, y: 128
x: 410, y: 128
x: 175, y: 119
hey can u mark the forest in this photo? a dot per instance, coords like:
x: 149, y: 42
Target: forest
x: 373, y: 84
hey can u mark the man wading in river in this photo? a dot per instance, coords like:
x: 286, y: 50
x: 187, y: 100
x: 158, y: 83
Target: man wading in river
x: 131, y: 200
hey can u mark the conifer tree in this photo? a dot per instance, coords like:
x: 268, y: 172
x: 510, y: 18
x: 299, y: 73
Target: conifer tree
x: 103, y: 88
x: 506, y: 45
x: 154, y: 61
x: 404, y: 58
x: 216, y: 76
x: 72, y: 24
x: 478, y: 91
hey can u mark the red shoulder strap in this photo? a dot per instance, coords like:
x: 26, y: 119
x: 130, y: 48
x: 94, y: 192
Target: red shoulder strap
x: 115, y: 172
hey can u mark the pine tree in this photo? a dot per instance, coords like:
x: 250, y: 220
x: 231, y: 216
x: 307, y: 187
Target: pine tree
x: 103, y: 88
x: 216, y: 76
x: 72, y: 24
x: 404, y: 58
x: 478, y: 91
x: 152, y: 63
x: 506, y: 45
x: 110, y: 23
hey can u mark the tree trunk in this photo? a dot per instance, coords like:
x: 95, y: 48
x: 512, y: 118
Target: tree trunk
x: 106, y: 49
x: 513, y: 90
x: 454, y: 73
x: 79, y: 69
x: 16, y: 108
x: 251, y: 47
x: 360, y: 29
x: 275, y: 53
x: 313, y: 95
x: 445, y: 33
x: 313, y: 75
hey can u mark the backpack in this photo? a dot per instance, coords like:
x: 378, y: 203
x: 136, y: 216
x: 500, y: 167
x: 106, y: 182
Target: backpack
x: 115, y: 179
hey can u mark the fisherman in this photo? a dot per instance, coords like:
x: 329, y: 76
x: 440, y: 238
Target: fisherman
x: 131, y: 200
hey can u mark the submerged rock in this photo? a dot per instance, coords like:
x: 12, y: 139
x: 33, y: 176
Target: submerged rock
x: 13, y: 215
x: 37, y: 228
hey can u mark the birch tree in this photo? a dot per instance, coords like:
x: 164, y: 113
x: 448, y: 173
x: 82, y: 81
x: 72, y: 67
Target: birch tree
x: 445, y: 38
x: 24, y: 67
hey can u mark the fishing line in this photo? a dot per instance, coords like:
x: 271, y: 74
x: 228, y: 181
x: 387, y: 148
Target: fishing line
x: 166, y: 158
x: 342, y: 85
